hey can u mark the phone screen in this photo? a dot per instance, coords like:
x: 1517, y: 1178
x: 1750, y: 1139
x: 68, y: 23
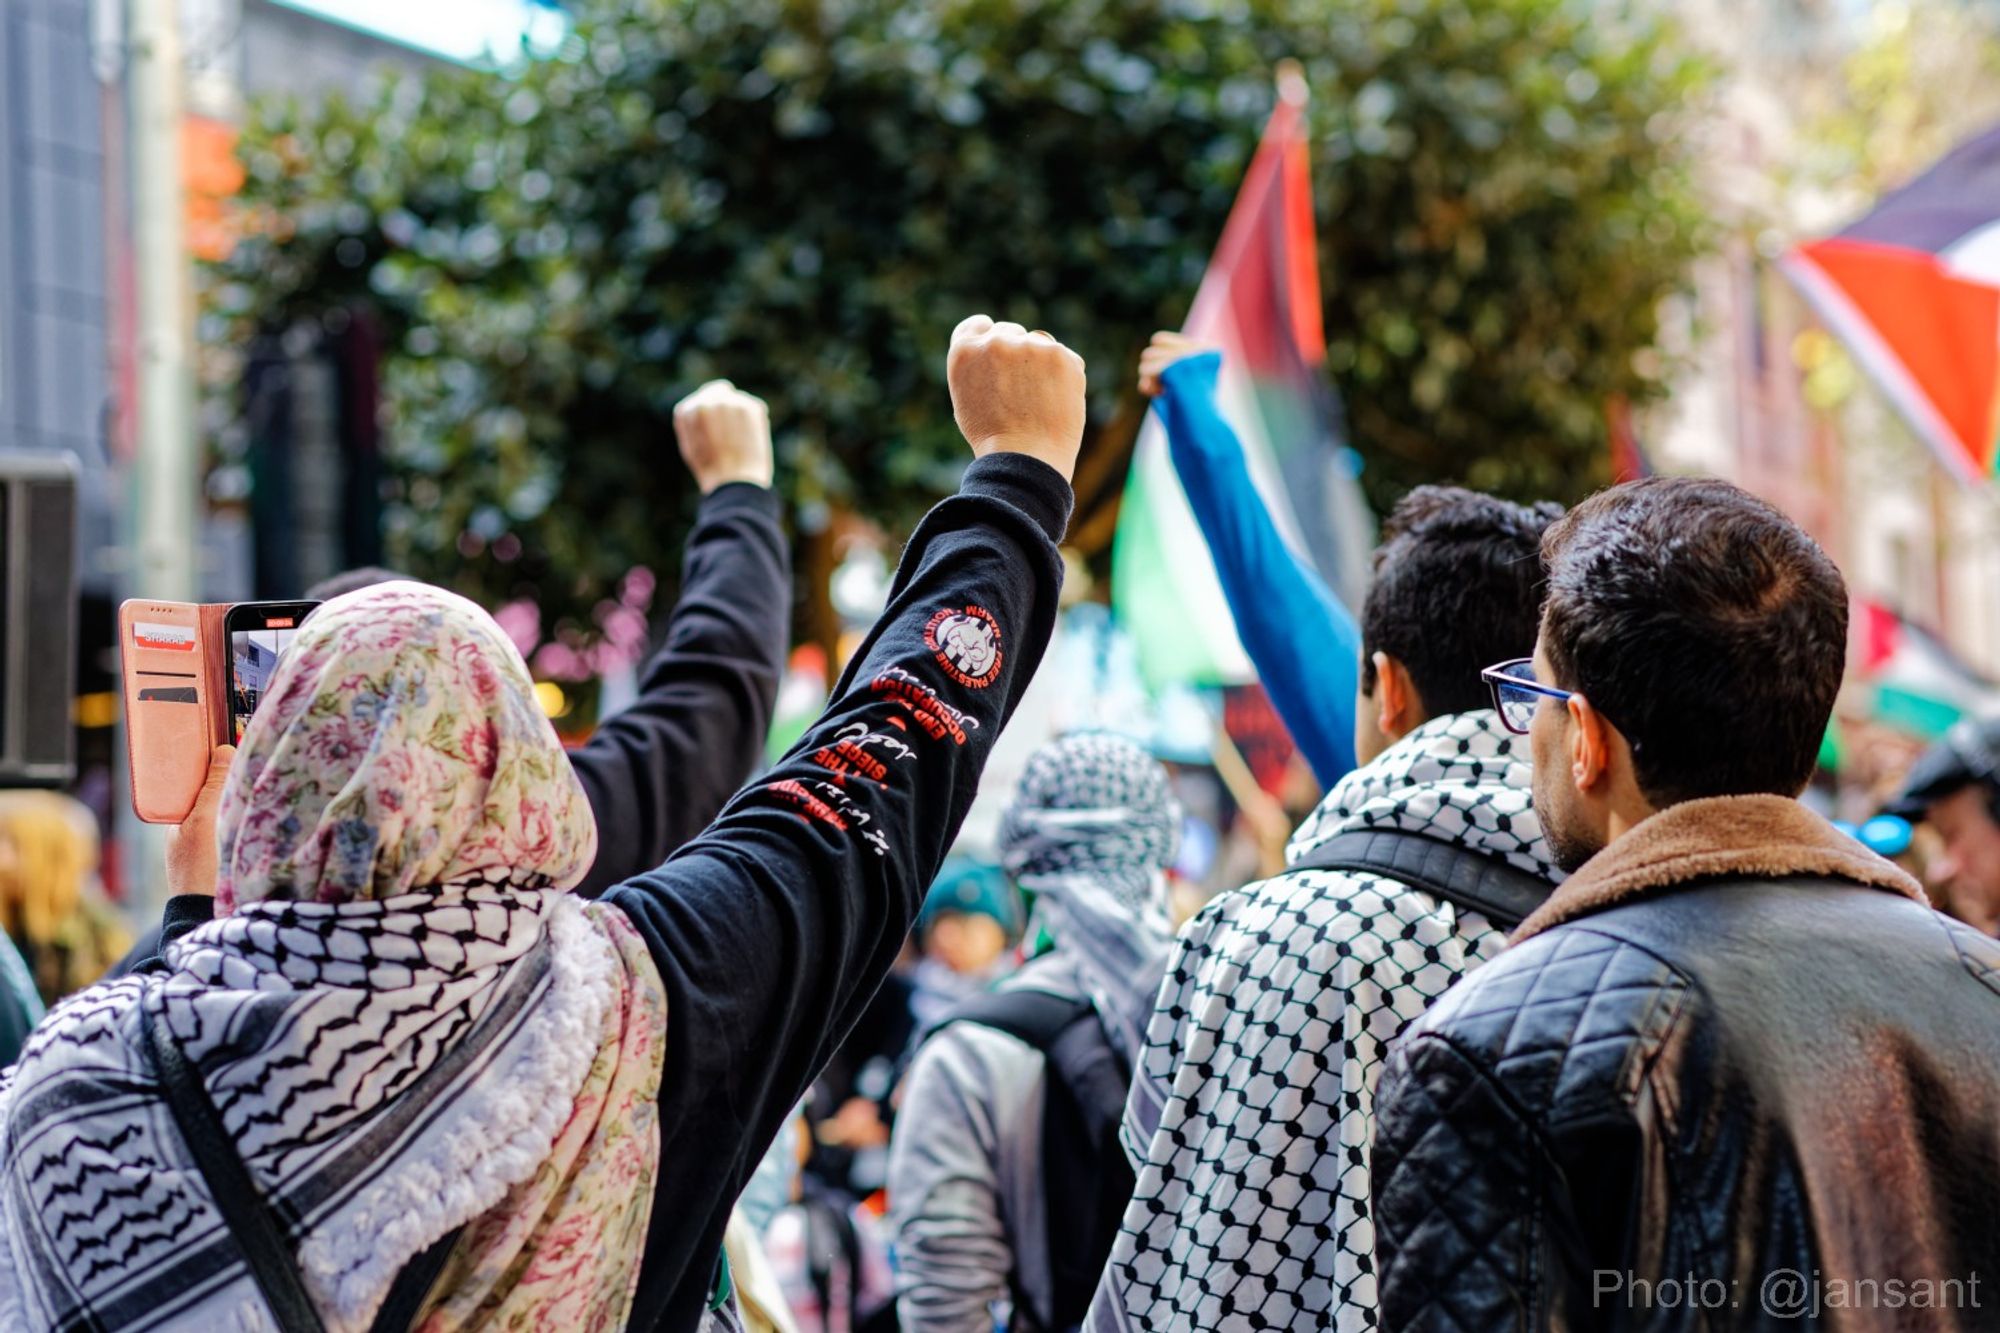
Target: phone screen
x: 259, y: 638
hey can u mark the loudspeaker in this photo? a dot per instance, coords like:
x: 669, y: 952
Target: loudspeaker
x: 38, y: 618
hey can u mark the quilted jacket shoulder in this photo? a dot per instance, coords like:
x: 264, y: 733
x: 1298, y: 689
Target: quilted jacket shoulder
x: 1508, y: 1086
x: 1566, y: 1024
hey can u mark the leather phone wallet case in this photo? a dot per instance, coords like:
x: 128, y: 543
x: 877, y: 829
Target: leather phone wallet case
x: 176, y: 701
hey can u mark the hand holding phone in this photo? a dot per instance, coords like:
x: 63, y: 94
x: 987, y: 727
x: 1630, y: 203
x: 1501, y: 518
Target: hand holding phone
x: 187, y: 692
x: 193, y: 859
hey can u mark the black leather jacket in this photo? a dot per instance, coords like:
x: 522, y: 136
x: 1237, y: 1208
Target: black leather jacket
x: 1735, y: 1106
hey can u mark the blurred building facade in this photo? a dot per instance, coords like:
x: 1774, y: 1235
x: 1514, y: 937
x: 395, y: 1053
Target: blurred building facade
x: 67, y: 377
x: 55, y: 270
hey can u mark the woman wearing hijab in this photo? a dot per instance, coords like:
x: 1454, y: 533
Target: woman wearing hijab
x: 1091, y: 831
x: 400, y: 1047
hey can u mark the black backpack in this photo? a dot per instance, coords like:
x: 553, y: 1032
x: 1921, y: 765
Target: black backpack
x: 1086, y: 1178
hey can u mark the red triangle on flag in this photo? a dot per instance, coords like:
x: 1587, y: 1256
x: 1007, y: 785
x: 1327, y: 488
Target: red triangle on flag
x: 1931, y: 337
x: 1878, y: 632
x: 1264, y: 277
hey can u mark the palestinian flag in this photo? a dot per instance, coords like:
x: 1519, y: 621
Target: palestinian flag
x: 1913, y: 289
x: 1260, y: 303
x: 1914, y: 682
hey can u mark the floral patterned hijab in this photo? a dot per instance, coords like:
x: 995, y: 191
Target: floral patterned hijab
x: 400, y: 747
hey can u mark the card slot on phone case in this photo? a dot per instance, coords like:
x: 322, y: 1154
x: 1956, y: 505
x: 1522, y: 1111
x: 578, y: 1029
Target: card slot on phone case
x: 171, y: 741
x: 171, y: 715
x: 181, y: 657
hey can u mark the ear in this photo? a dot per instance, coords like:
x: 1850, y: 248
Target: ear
x: 1589, y: 744
x: 1395, y: 697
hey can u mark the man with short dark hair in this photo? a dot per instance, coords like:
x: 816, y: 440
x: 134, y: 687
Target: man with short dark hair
x: 1251, y: 1102
x: 1454, y: 575
x: 1955, y: 788
x: 1734, y: 1071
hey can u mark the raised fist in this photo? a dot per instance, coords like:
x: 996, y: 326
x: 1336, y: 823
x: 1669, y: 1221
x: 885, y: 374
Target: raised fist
x: 1166, y: 348
x: 1016, y: 392
x: 725, y: 435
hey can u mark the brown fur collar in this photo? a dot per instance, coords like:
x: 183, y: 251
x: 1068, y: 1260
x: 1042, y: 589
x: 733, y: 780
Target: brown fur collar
x: 1750, y: 837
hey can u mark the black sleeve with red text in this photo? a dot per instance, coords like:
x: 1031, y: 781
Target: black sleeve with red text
x: 773, y: 929
x: 657, y: 772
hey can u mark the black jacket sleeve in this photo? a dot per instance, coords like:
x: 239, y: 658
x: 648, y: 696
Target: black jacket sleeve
x: 144, y: 950
x: 773, y: 930
x: 657, y: 773
x: 1456, y: 1173
x: 184, y: 912
x: 1493, y: 1217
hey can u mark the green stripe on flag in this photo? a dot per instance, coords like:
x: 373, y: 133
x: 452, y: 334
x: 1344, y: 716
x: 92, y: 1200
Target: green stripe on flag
x: 1151, y: 578
x: 1916, y: 713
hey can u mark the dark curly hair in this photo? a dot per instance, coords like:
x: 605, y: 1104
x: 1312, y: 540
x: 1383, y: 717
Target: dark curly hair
x: 1457, y: 587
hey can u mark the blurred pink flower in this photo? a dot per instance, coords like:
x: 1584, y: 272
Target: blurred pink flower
x: 559, y: 661
x: 636, y: 590
x: 521, y: 620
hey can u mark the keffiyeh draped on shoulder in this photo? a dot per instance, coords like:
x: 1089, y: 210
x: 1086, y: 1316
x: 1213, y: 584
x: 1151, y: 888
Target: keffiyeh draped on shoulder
x: 1251, y: 1108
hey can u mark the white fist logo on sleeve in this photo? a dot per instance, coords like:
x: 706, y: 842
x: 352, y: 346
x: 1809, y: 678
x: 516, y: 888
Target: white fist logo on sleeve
x: 967, y: 644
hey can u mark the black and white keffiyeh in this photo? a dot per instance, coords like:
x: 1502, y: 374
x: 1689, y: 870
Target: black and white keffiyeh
x: 1091, y: 830
x: 1251, y: 1110
x: 387, y: 1069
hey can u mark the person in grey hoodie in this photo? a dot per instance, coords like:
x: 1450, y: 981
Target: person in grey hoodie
x: 1091, y: 830
x: 1251, y: 1105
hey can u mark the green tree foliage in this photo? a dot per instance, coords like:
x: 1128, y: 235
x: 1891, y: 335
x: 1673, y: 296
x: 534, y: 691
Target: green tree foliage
x: 805, y: 195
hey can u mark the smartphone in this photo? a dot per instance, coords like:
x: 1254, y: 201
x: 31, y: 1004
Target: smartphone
x: 186, y: 691
x: 258, y: 635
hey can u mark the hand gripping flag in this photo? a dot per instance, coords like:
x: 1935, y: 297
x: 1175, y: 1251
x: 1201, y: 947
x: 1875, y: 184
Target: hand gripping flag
x: 1260, y: 303
x: 1913, y: 289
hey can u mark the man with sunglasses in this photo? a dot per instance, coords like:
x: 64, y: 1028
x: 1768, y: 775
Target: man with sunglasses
x: 1250, y: 1107
x: 1734, y: 1073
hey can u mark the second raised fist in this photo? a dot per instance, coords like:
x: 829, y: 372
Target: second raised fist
x: 725, y: 435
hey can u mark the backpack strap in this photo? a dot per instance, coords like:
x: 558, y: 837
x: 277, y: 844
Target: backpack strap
x: 251, y: 1223
x: 413, y: 1285
x: 1034, y: 1017
x: 1502, y: 893
x: 1088, y: 1177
